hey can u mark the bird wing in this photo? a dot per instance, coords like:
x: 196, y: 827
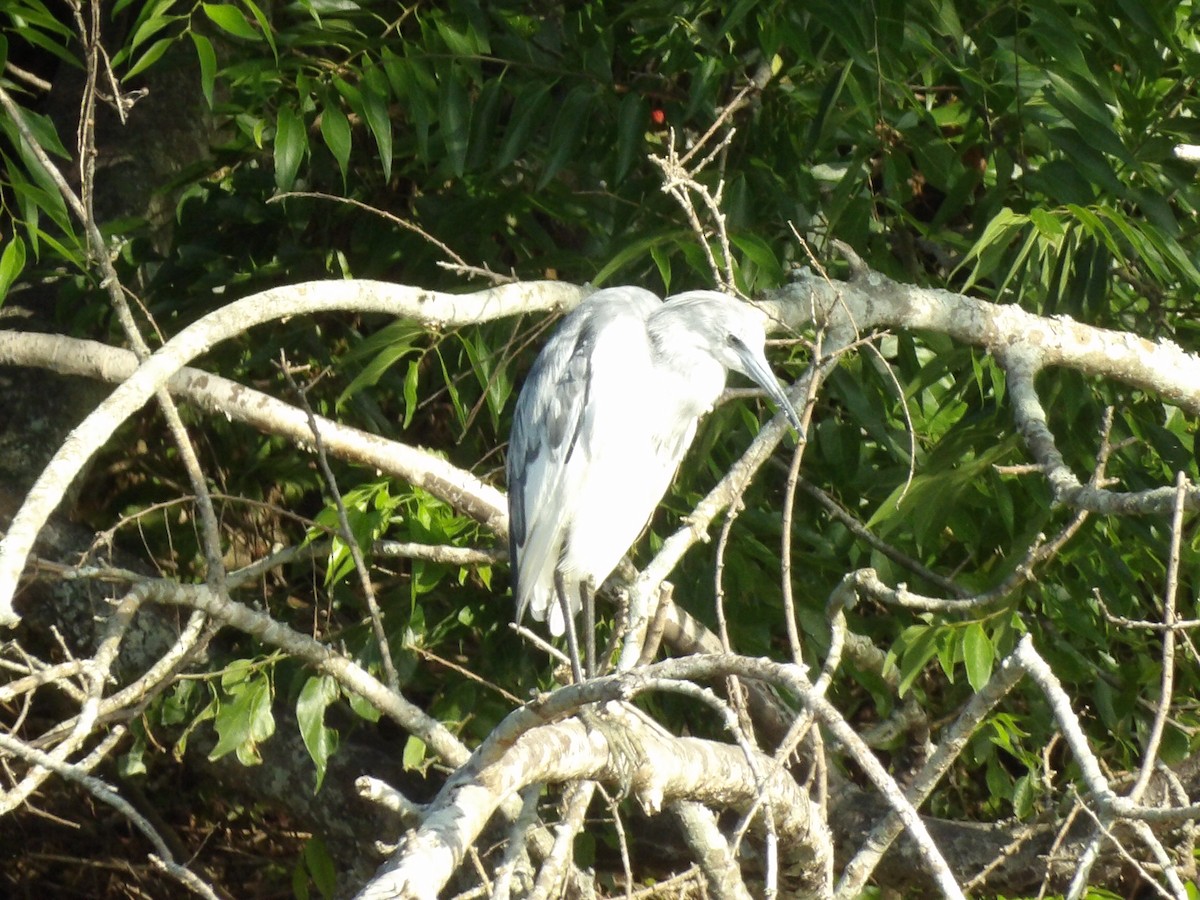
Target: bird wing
x: 553, y: 414
x: 546, y: 421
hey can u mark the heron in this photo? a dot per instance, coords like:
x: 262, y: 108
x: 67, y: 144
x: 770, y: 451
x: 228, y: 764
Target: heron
x: 602, y: 422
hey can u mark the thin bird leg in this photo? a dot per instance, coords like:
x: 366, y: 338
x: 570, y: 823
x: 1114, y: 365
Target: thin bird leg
x: 560, y: 587
x: 587, y: 595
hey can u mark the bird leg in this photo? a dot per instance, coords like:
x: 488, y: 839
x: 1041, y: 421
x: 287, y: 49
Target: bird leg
x: 560, y: 588
x: 587, y: 595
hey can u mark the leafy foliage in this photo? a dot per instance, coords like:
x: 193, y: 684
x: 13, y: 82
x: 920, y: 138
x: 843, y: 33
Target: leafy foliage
x: 1018, y: 152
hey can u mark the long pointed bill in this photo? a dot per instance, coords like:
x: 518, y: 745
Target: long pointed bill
x: 757, y: 368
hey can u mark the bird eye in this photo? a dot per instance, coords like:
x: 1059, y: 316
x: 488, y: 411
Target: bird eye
x: 734, y: 341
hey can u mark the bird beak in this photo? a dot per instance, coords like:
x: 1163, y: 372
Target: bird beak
x: 759, y: 371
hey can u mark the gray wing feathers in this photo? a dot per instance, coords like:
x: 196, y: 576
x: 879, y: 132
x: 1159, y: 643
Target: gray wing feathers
x: 544, y: 424
x: 551, y: 414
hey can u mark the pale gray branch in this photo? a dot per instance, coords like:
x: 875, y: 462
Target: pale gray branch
x: 433, y: 309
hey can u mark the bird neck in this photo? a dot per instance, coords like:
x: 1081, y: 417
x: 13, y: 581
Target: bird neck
x: 688, y: 370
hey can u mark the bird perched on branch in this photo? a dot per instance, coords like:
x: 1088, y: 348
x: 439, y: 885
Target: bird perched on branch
x: 604, y: 418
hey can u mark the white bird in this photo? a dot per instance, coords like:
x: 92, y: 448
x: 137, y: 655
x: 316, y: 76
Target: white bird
x: 603, y: 420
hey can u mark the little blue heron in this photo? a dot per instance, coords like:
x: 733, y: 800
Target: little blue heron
x: 602, y: 422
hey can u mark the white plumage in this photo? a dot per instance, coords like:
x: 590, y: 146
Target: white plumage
x: 604, y: 418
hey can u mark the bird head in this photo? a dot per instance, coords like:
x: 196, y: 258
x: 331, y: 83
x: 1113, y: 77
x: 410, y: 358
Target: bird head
x: 733, y: 333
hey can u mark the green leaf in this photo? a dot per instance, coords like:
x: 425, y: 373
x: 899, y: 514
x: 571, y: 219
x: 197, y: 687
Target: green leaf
x: 570, y: 126
x: 414, y: 88
x: 34, y: 198
x: 321, y: 869
x: 411, y: 400
x: 318, y: 692
x: 632, y: 120
x: 364, y: 709
x: 244, y: 720
x: 636, y: 251
x: 44, y: 132
x: 291, y: 142
x: 264, y: 24
x: 375, y: 110
x: 466, y: 43
x: 920, y: 644
x: 1047, y: 224
x: 456, y: 401
x: 978, y: 655
x: 1024, y: 795
x: 454, y: 108
x: 382, y: 350
x: 146, y: 29
x: 662, y: 260
x: 335, y: 129
x: 366, y: 524
x: 150, y: 57
x: 12, y: 262
x: 208, y: 64
x: 759, y: 252
x: 992, y: 244
x: 495, y: 381
x: 132, y: 762
x: 486, y: 113
x: 414, y: 753
x: 231, y: 20
x: 528, y: 108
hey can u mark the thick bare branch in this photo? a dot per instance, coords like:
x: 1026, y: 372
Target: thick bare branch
x: 433, y: 309
x: 664, y: 768
x: 221, y: 396
x: 874, y: 301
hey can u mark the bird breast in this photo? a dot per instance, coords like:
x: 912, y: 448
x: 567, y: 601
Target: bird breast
x: 643, y: 418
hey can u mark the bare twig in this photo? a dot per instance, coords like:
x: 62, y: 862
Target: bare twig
x: 456, y: 263
x: 347, y: 534
x: 108, y: 795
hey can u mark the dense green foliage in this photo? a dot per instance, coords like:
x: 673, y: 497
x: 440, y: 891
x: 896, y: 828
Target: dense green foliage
x: 1018, y: 152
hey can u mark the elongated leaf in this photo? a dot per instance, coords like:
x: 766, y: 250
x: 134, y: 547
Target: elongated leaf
x: 485, y: 116
x: 150, y: 57
x: 632, y: 120
x: 636, y: 250
x: 321, y: 742
x: 146, y: 30
x: 662, y: 260
x: 207, y: 58
x: 319, y: 863
x: 978, y: 655
x: 38, y: 39
x: 43, y: 131
x: 41, y: 194
x: 759, y: 252
x: 569, y: 128
x: 231, y: 20
x: 291, y: 143
x: 264, y: 24
x: 461, y: 43
x: 992, y: 244
x: 335, y: 129
x: 527, y: 111
x: 375, y: 110
x: 411, y: 400
x: 454, y: 108
x: 921, y: 644
x: 12, y: 262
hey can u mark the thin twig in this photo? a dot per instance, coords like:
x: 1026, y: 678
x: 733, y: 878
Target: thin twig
x: 391, y: 676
